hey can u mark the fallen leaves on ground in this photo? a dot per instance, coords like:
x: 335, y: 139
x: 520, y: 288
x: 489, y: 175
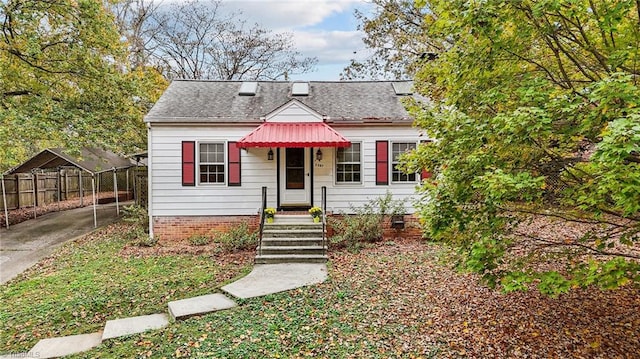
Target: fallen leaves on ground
x: 404, y: 285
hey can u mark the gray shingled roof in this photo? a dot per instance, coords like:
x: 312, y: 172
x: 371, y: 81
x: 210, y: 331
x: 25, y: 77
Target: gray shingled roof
x: 219, y: 101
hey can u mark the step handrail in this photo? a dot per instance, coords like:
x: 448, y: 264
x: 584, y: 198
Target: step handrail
x: 325, y: 244
x: 262, y: 217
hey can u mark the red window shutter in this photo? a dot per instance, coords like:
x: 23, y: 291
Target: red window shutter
x: 382, y: 162
x: 425, y: 174
x: 188, y: 163
x: 233, y: 151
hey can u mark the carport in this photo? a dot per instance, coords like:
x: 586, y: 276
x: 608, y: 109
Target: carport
x: 93, y: 161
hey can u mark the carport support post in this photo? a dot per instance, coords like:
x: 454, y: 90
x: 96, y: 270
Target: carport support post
x: 4, y: 200
x: 115, y: 190
x: 34, y: 178
x: 58, y: 184
x: 93, y: 189
x: 127, y: 184
x: 80, y: 188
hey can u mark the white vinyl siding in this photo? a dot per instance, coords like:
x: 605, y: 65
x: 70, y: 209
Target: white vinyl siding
x: 169, y: 198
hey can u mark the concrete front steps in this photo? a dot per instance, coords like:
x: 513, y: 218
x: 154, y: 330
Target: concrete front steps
x: 292, y: 239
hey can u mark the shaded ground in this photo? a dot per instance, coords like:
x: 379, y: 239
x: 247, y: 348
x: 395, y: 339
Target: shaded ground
x: 26, y: 243
x: 22, y: 214
x: 404, y: 285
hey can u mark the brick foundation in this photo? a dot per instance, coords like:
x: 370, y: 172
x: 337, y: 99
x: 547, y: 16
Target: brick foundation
x: 411, y: 228
x: 183, y: 227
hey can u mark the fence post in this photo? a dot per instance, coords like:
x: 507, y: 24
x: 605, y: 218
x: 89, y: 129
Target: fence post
x: 4, y: 200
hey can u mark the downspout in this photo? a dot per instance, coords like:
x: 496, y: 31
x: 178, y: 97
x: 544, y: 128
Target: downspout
x: 150, y: 178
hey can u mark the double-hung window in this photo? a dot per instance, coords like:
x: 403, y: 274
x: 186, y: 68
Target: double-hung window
x: 397, y: 149
x: 348, y: 167
x: 211, y: 163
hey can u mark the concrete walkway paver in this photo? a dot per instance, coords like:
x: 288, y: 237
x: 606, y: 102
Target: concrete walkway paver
x: 127, y: 326
x: 185, y: 308
x: 57, y: 347
x: 273, y: 278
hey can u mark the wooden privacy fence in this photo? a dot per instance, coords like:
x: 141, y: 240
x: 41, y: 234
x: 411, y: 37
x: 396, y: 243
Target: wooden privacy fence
x: 37, y: 189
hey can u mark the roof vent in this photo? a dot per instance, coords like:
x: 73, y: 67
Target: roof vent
x: 300, y: 89
x: 404, y: 88
x: 248, y: 88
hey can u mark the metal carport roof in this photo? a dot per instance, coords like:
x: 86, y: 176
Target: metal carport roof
x: 91, y: 160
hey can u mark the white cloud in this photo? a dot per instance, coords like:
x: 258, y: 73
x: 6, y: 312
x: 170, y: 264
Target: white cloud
x: 330, y: 46
x: 287, y: 15
x: 325, y: 29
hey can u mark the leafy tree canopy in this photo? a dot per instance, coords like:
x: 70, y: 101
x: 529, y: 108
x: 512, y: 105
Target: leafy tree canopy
x: 396, y: 33
x: 535, y: 108
x: 65, y: 80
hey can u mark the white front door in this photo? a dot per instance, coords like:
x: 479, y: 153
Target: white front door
x: 295, y: 177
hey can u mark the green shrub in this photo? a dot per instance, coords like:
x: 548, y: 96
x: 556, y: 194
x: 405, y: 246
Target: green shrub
x: 199, y: 240
x: 237, y: 238
x: 137, y: 215
x: 139, y: 232
x: 145, y: 240
x: 366, y: 224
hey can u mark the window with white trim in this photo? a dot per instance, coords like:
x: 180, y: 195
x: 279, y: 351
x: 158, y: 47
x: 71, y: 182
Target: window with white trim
x: 211, y: 162
x: 348, y: 167
x: 397, y: 149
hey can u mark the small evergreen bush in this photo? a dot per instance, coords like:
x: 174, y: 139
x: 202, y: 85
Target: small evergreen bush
x: 199, y: 240
x: 237, y: 238
x: 139, y: 233
x: 366, y: 224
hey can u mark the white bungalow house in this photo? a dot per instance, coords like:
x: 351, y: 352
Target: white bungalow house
x: 213, y: 146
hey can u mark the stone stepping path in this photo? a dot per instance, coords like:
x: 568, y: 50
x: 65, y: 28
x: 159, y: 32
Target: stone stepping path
x: 57, y: 347
x: 134, y: 325
x: 273, y: 278
x: 182, y: 309
x: 264, y: 279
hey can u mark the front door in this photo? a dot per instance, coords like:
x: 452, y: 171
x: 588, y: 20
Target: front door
x: 295, y: 177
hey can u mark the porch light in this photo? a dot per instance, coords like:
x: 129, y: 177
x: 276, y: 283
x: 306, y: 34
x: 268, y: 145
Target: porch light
x: 270, y: 155
x: 319, y: 155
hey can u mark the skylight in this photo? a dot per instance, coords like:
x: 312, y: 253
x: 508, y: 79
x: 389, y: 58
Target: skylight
x: 404, y: 88
x: 248, y: 88
x: 300, y: 89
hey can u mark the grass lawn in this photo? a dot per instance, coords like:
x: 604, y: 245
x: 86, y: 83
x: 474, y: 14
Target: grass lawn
x: 394, y: 299
x: 90, y: 281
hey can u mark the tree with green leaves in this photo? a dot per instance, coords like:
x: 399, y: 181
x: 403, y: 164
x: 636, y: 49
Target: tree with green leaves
x: 396, y: 35
x: 65, y: 80
x: 535, y: 111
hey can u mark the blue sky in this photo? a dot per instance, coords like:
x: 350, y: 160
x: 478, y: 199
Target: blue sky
x: 326, y: 29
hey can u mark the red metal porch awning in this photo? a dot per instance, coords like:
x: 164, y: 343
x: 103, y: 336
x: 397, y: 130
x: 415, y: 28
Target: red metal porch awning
x: 287, y: 134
